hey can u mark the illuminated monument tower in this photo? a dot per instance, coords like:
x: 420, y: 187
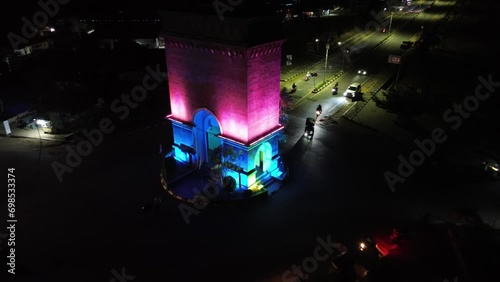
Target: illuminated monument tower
x: 224, y: 84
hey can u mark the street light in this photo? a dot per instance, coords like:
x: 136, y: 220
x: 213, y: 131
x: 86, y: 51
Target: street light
x: 343, y: 54
x: 326, y: 60
x: 39, y: 122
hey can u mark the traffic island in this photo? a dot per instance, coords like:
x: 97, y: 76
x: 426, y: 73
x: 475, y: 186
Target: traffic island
x: 192, y: 186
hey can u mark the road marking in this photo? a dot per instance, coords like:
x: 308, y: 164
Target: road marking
x: 340, y: 102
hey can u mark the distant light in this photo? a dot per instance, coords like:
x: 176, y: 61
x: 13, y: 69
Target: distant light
x: 41, y: 122
x: 362, y: 246
x: 52, y: 29
x: 339, y: 43
x: 317, y: 40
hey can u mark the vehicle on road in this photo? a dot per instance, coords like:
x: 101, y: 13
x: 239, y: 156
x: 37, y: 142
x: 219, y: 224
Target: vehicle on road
x: 405, y: 45
x: 319, y: 110
x: 353, y: 90
x: 309, y: 130
x: 335, y: 89
x: 362, y: 72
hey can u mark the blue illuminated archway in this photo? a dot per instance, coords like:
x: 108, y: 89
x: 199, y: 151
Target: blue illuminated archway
x: 263, y: 157
x: 206, y: 136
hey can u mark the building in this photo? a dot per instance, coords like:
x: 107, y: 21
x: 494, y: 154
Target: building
x: 114, y: 26
x: 224, y: 84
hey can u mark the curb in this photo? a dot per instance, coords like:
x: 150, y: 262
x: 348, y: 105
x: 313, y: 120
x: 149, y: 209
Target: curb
x: 328, y: 82
x: 302, y: 71
x: 164, y: 184
x: 42, y: 138
x: 215, y: 202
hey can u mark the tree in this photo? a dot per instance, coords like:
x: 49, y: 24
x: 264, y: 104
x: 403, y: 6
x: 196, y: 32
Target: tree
x: 286, y: 105
x: 225, y: 158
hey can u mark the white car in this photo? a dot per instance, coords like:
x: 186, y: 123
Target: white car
x: 353, y: 90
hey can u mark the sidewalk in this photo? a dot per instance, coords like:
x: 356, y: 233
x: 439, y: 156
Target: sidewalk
x: 384, y: 122
x: 36, y: 133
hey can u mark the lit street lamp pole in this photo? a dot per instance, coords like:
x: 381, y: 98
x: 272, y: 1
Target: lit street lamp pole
x: 326, y: 60
x: 40, y: 138
x: 342, y: 53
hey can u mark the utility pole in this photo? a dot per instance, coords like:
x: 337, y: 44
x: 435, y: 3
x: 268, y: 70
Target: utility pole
x: 390, y: 22
x: 397, y: 78
x: 326, y: 59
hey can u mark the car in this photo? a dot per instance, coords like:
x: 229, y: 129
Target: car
x: 362, y: 72
x: 405, y: 45
x: 353, y: 90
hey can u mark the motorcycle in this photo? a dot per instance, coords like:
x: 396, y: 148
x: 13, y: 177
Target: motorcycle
x: 309, y: 130
x: 335, y: 89
x: 319, y: 110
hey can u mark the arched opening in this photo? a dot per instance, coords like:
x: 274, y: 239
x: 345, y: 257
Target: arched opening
x: 263, y: 157
x: 207, y: 131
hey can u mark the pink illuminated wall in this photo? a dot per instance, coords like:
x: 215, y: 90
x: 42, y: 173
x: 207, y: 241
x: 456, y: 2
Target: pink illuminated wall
x: 264, y: 70
x: 239, y: 85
